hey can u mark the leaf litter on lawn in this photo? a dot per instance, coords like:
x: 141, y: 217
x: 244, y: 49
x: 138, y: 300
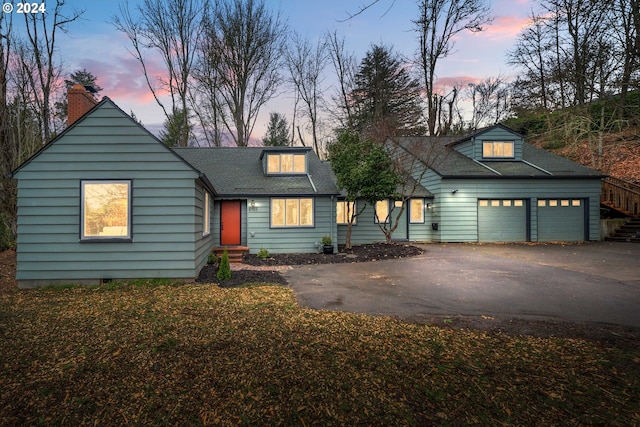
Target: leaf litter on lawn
x: 202, y: 355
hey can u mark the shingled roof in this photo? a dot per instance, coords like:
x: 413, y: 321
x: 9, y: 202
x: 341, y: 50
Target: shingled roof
x: 438, y: 154
x: 238, y: 171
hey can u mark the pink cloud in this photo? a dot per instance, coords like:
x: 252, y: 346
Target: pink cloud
x: 121, y: 78
x: 506, y: 27
x: 445, y: 84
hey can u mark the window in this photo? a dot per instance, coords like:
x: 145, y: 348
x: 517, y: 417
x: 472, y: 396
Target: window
x: 497, y: 149
x: 416, y: 207
x: 382, y: 211
x: 343, y: 211
x: 284, y: 163
x: 105, y: 210
x: 291, y: 212
x: 206, y: 220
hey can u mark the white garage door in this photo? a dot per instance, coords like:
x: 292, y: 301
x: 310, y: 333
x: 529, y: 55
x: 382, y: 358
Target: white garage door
x: 561, y: 220
x: 502, y: 220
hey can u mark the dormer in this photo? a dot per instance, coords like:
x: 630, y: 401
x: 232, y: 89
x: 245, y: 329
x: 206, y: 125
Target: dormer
x: 279, y: 161
x: 495, y: 143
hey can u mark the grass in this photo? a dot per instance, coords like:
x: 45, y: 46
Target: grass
x: 201, y: 355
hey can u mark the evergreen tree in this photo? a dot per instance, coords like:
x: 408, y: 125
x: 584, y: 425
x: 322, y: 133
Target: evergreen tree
x: 173, y: 129
x: 82, y: 77
x: 224, y: 270
x: 277, y: 131
x: 386, y: 98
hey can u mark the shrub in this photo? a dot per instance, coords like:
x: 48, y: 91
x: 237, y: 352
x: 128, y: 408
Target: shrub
x: 326, y: 241
x: 263, y: 253
x: 212, y: 259
x: 224, y: 270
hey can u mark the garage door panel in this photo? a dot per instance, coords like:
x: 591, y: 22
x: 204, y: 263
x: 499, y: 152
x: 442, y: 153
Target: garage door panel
x: 561, y: 220
x: 502, y: 220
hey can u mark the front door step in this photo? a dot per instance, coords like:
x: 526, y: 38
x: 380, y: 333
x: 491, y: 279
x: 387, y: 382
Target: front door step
x: 235, y: 252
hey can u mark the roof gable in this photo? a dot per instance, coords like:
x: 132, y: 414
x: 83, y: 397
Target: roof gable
x: 114, y: 125
x: 445, y: 157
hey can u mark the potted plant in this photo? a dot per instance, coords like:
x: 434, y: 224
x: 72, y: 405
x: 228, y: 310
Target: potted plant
x: 327, y: 247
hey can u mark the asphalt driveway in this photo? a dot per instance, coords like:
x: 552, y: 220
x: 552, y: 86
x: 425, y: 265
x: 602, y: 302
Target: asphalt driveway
x: 591, y: 282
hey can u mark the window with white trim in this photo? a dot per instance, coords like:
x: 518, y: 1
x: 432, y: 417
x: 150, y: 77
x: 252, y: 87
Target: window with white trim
x: 416, y: 208
x: 344, y: 210
x: 498, y: 149
x: 292, y: 212
x: 286, y: 163
x: 382, y: 211
x: 105, y: 210
x: 206, y: 219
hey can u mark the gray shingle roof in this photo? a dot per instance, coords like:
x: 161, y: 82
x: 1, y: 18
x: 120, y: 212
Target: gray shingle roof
x: 437, y: 153
x: 237, y: 171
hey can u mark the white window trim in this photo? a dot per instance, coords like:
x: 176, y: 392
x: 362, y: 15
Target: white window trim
x: 206, y: 215
x: 128, y: 237
x: 313, y: 213
x: 422, y: 216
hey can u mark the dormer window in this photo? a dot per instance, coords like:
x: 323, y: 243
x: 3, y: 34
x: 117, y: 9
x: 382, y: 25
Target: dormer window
x: 498, y: 149
x: 286, y: 163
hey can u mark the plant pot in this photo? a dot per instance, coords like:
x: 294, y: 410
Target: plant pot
x: 327, y: 249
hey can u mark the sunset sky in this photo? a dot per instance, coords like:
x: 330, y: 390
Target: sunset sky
x: 94, y: 43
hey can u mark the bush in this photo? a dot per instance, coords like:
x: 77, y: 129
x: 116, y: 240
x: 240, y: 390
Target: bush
x: 6, y: 239
x: 263, y: 253
x: 224, y: 270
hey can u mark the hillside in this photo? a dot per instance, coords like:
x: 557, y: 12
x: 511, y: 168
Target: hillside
x: 620, y: 159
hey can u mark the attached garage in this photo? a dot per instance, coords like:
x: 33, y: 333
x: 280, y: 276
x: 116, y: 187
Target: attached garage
x: 561, y: 220
x: 502, y: 220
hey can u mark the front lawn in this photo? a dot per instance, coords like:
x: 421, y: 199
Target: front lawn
x: 202, y: 355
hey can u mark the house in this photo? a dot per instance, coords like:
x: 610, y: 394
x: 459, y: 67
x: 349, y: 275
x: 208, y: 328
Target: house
x: 106, y: 200
x: 492, y: 186
x: 281, y: 199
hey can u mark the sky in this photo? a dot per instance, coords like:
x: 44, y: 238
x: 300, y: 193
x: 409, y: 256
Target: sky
x: 93, y: 43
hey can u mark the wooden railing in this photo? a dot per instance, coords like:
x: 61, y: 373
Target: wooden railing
x: 621, y: 195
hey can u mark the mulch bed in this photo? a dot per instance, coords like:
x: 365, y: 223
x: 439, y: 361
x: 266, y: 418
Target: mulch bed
x: 359, y: 253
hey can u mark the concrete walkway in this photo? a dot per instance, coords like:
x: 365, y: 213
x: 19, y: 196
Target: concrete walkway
x: 591, y: 282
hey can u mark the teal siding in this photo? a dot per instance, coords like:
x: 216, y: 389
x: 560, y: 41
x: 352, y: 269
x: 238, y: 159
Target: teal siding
x: 496, y: 134
x: 459, y: 211
x: 166, y: 207
x: 295, y: 239
x: 365, y: 230
x: 203, y: 243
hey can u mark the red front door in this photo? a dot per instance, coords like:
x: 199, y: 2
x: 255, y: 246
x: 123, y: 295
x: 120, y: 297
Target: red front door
x: 230, y: 222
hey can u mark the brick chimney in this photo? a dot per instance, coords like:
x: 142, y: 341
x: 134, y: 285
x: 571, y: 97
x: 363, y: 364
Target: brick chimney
x: 79, y: 101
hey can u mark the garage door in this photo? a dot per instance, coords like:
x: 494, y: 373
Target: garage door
x: 502, y: 220
x: 561, y: 220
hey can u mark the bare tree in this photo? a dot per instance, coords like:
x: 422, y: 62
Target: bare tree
x: 306, y: 63
x: 37, y: 52
x: 438, y: 23
x: 345, y: 67
x: 246, y: 49
x: 172, y: 29
x: 490, y: 101
x: 531, y: 52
